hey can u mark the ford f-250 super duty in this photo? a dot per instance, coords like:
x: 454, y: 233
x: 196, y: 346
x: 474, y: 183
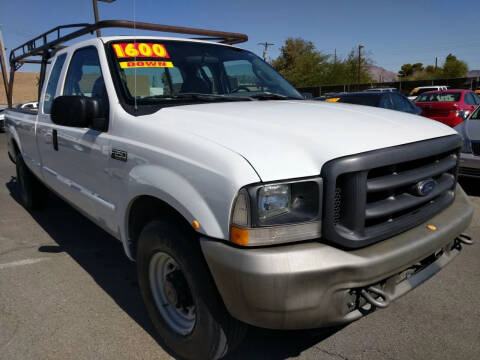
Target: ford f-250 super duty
x: 241, y: 202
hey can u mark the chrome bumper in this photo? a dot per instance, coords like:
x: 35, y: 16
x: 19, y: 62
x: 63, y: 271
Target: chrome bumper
x: 313, y: 284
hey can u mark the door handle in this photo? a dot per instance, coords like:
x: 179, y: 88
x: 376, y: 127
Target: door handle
x: 55, y: 140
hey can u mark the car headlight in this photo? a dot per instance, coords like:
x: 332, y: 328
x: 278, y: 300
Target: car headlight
x: 277, y: 213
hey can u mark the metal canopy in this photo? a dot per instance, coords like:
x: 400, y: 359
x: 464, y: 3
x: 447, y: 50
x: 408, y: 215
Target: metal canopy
x: 45, y: 44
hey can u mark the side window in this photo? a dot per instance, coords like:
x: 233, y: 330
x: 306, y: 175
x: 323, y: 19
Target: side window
x: 52, y: 83
x: 386, y: 102
x: 469, y: 100
x: 476, y: 99
x: 84, y: 76
x: 401, y: 104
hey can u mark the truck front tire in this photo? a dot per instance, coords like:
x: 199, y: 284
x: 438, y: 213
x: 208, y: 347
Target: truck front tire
x: 32, y: 192
x: 180, y: 294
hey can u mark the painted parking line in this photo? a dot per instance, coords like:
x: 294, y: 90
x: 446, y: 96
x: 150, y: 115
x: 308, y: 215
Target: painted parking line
x: 23, y: 262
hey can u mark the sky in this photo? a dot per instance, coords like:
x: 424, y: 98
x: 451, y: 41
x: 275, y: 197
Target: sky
x: 393, y: 32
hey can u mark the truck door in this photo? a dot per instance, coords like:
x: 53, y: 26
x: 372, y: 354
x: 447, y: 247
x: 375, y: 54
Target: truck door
x: 76, y: 158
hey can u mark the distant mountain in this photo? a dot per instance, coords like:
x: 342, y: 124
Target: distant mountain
x: 378, y: 73
x: 473, y: 73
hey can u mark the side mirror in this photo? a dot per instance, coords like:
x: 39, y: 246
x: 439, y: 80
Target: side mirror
x: 77, y: 111
x: 307, y: 95
x: 463, y: 114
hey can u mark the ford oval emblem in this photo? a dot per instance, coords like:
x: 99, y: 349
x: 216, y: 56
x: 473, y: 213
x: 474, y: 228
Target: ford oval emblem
x: 425, y: 187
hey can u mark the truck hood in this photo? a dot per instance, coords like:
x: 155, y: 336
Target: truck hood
x: 292, y: 139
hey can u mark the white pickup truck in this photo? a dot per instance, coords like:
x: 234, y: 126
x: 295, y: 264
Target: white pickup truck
x: 242, y: 202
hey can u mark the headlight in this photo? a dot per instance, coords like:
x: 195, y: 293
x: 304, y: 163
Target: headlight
x: 277, y: 213
x: 273, y: 200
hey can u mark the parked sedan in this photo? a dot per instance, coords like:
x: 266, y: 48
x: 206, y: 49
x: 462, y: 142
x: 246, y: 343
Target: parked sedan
x: 470, y: 154
x: 388, y: 100
x: 448, y: 106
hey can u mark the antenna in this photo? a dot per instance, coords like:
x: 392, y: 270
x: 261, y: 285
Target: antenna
x: 265, y: 49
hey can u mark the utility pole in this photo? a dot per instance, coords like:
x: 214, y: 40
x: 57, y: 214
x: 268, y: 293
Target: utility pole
x: 95, y: 12
x: 360, y: 47
x: 436, y: 61
x: 3, y: 63
x: 265, y: 49
x: 335, y: 57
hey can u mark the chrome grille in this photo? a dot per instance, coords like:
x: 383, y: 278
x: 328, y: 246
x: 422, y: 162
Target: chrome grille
x: 372, y: 196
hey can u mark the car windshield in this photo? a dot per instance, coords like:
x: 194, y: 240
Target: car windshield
x: 439, y: 96
x: 162, y: 72
x: 369, y: 100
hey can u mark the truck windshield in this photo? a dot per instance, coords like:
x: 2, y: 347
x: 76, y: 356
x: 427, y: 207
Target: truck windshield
x: 168, y: 72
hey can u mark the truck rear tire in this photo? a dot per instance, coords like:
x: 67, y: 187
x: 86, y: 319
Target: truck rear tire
x: 32, y: 191
x: 180, y: 294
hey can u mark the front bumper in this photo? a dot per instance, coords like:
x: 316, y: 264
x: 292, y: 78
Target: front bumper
x: 311, y: 285
x: 469, y: 165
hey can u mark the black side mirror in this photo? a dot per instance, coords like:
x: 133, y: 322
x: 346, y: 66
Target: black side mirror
x: 77, y: 111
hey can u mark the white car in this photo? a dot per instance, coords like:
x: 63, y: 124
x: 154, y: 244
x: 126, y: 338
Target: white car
x: 242, y: 202
x: 422, y: 89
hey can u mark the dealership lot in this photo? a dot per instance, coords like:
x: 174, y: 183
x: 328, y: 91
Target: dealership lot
x: 68, y: 291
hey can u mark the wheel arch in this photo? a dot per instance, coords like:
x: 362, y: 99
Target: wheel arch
x: 144, y: 209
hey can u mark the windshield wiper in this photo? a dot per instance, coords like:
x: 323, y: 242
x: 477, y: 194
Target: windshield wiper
x: 272, y: 96
x: 200, y: 96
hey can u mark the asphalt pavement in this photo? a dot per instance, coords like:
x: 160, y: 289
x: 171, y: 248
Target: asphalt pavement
x: 67, y: 291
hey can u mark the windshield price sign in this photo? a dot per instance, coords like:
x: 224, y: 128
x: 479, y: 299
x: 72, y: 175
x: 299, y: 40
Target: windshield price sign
x: 150, y: 50
x: 144, y: 64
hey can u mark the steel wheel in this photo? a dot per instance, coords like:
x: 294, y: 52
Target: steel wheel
x: 172, y: 294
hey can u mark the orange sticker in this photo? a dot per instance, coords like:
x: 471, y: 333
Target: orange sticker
x: 150, y: 50
x: 145, y: 64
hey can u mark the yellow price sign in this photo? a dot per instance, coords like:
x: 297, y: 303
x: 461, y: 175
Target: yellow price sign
x: 148, y: 50
x: 145, y: 64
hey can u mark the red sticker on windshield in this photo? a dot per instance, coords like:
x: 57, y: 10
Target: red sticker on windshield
x: 150, y: 50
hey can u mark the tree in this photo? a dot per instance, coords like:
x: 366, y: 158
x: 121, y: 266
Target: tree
x: 454, y: 68
x: 408, y: 70
x: 301, y: 64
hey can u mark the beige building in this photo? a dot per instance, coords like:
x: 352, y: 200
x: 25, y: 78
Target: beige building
x: 24, y: 89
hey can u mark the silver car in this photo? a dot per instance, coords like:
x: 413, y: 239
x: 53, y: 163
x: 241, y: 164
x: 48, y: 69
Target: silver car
x: 470, y: 155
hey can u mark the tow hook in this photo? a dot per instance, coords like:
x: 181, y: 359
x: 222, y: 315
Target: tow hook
x: 381, y: 302
x: 465, y: 239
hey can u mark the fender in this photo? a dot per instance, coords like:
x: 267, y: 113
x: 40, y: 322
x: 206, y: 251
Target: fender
x: 199, y: 201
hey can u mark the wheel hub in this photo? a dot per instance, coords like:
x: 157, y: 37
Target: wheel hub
x: 171, y: 293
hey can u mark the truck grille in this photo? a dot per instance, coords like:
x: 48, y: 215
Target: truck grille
x: 375, y: 195
x: 476, y: 148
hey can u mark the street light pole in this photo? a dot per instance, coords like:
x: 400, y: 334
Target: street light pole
x: 95, y: 12
x: 360, y: 47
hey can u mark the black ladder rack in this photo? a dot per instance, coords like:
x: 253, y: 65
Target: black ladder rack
x: 47, y: 43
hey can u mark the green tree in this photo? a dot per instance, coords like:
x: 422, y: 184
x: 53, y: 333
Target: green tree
x: 301, y: 64
x: 454, y: 68
x: 408, y: 70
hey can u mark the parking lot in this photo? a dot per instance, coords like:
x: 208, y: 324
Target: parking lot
x: 68, y: 292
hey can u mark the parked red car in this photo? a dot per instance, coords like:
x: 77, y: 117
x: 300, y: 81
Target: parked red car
x: 447, y: 106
